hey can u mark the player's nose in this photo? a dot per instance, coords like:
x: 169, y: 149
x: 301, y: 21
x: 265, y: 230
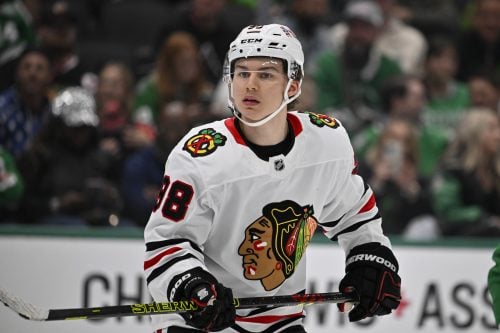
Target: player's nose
x: 252, y: 83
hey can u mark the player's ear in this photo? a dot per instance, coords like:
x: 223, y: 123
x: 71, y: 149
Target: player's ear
x: 294, y: 88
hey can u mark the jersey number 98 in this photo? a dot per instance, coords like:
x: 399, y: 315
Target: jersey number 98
x: 178, y: 198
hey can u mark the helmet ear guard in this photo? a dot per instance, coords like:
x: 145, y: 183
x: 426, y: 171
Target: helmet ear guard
x: 296, y: 72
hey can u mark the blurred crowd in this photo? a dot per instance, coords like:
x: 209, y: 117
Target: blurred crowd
x: 95, y: 93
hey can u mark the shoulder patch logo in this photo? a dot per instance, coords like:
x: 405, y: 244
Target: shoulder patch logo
x: 204, y: 143
x: 321, y: 120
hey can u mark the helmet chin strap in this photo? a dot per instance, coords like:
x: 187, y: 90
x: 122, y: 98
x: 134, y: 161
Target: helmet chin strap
x: 270, y: 116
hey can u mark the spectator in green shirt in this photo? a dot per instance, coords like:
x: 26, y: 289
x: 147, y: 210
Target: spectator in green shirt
x: 350, y: 78
x: 403, y: 97
x: 448, y: 98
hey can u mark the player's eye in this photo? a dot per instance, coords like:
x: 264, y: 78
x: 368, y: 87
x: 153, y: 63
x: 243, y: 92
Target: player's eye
x: 266, y: 75
x: 243, y: 74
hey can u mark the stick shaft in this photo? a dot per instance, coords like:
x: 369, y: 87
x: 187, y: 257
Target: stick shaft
x: 183, y: 306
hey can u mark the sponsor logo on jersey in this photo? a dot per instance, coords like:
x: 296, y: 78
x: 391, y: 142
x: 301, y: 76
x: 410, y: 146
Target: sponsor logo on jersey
x: 204, y: 143
x: 321, y: 120
x: 276, y: 241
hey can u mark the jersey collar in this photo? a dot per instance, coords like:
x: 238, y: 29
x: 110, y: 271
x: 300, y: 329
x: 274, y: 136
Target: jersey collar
x: 231, y: 126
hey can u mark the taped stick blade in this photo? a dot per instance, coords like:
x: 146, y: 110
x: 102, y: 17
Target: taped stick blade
x: 22, y: 308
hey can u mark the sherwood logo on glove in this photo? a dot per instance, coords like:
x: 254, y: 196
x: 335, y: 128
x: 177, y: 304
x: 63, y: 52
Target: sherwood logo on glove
x: 372, y: 257
x: 177, y: 284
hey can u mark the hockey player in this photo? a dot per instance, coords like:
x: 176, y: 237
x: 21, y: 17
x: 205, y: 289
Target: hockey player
x: 241, y: 198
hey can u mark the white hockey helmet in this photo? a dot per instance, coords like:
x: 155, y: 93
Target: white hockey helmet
x: 272, y: 40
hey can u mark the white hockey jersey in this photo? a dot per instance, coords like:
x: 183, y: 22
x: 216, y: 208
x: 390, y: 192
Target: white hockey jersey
x: 248, y: 221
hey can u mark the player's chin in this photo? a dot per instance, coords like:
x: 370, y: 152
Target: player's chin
x: 253, y: 116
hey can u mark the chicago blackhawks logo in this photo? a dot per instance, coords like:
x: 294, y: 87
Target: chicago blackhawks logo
x: 321, y: 120
x: 204, y: 143
x: 276, y: 241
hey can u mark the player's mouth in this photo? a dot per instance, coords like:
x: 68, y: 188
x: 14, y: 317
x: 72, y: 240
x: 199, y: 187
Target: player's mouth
x: 250, y: 101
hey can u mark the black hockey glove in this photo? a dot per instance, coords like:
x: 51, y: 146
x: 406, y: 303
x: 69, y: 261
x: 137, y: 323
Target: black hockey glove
x: 215, y: 302
x: 372, y: 271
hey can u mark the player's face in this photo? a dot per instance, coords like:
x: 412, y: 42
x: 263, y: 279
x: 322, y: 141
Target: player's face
x: 258, y: 86
x: 258, y: 257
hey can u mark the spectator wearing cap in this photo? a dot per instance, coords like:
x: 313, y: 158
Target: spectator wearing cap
x: 67, y: 176
x: 350, y: 76
x: 57, y: 35
x: 25, y: 105
x: 396, y: 39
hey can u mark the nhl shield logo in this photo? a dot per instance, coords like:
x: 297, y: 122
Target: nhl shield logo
x: 279, y: 165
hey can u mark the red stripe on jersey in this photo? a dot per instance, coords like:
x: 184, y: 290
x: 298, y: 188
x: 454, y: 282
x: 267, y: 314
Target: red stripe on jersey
x: 267, y: 319
x: 153, y: 261
x: 296, y: 124
x: 229, y: 122
x: 356, y: 165
x: 369, y: 205
x: 293, y: 119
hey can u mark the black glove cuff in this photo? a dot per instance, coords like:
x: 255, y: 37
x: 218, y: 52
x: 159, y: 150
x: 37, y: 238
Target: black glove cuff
x: 182, y: 285
x: 371, y: 254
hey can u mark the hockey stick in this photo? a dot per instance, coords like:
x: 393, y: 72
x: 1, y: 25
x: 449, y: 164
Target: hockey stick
x: 32, y: 312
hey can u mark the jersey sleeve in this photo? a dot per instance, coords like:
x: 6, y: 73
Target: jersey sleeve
x: 352, y: 216
x: 178, y: 226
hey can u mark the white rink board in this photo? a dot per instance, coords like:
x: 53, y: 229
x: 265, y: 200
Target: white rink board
x: 444, y: 288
